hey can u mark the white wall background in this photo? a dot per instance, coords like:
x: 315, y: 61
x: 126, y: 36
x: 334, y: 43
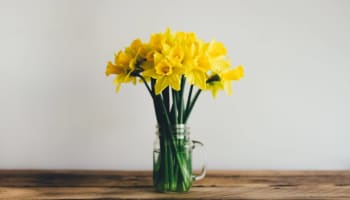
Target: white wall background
x: 58, y: 110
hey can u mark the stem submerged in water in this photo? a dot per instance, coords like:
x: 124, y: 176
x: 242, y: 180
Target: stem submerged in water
x: 172, y: 170
x: 174, y: 173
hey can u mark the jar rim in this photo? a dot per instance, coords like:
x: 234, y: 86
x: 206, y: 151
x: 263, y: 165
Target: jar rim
x: 178, y: 129
x: 176, y: 126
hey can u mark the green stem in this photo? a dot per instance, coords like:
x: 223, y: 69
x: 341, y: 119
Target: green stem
x: 166, y: 160
x: 188, y: 111
x: 165, y: 95
x: 161, y: 106
x: 146, y: 84
x: 173, y: 163
x: 151, y: 92
x: 175, y: 105
x: 189, y: 97
x: 181, y: 107
x: 172, y: 114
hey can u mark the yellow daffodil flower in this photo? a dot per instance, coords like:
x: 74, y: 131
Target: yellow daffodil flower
x: 231, y: 75
x: 169, y: 56
x: 215, y: 87
x: 165, y: 73
x: 223, y: 80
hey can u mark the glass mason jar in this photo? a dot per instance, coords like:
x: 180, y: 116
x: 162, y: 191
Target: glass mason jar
x: 172, y: 159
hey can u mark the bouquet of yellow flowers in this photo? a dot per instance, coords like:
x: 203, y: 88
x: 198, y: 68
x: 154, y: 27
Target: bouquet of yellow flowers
x: 165, y: 65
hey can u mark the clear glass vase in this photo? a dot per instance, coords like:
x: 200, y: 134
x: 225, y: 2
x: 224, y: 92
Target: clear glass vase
x: 172, y: 159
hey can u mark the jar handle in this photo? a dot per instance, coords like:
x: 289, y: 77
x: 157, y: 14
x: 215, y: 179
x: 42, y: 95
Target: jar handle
x: 204, y: 165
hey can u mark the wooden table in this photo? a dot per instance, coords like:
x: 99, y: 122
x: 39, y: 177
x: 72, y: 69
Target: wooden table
x: 64, y: 184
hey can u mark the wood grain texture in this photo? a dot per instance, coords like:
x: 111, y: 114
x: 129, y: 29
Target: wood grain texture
x: 261, y: 185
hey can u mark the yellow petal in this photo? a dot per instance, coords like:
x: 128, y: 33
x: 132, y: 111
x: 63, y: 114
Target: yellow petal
x: 157, y: 57
x: 156, y: 41
x: 136, y: 44
x: 215, y: 87
x: 203, y: 62
x: 161, y: 84
x: 150, y: 55
x: 234, y: 74
x: 228, y: 87
x: 199, y: 79
x: 216, y: 49
x: 117, y: 89
x: 122, y: 59
x: 174, y: 81
x: 110, y: 69
x: 150, y: 73
x: 117, y: 83
x: 114, y: 69
x: 164, y: 68
x: 176, y: 55
x: 219, y: 65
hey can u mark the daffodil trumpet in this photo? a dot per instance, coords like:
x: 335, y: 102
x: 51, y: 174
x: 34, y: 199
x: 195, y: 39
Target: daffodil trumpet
x: 165, y: 65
